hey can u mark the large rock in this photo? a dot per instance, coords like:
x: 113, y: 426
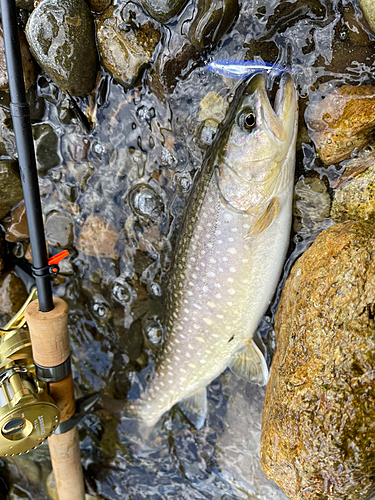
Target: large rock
x: 342, y: 122
x: 61, y: 36
x: 354, y: 197
x: 318, y: 429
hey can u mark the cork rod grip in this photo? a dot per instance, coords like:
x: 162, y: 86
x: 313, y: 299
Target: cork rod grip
x: 66, y: 464
x: 50, y: 343
x: 49, y: 333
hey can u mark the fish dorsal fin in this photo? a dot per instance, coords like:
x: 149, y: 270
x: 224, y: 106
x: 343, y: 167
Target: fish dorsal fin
x: 195, y: 408
x: 249, y: 364
x: 265, y: 219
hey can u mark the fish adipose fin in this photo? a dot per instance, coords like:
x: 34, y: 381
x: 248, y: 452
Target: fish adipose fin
x: 265, y: 219
x: 195, y: 408
x: 249, y: 364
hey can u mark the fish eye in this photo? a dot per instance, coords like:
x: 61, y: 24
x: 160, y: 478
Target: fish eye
x: 247, y: 119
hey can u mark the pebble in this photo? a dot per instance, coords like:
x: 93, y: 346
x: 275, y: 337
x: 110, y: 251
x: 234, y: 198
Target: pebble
x: 16, y: 224
x: 59, y: 229
x: 10, y: 186
x: 12, y: 292
x: 98, y: 238
x: 163, y: 10
x: 126, y: 42
x: 27, y: 63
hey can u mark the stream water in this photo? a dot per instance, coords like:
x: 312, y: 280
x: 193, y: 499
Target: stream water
x: 134, y: 171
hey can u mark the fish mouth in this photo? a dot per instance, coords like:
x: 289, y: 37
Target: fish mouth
x: 278, y: 117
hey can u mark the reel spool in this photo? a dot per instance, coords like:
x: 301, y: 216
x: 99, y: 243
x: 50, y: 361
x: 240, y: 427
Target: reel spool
x: 28, y: 415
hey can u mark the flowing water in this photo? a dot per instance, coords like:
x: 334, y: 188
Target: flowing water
x: 134, y: 172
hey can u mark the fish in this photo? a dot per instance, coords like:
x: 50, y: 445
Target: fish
x: 240, y: 69
x: 230, y: 253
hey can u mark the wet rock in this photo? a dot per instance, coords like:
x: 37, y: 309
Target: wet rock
x: 59, y: 229
x: 311, y: 199
x: 25, y: 4
x: 163, y: 10
x: 46, y: 142
x: 98, y: 238
x: 12, y: 293
x: 126, y: 42
x: 318, y: 428
x: 355, y: 196
x: 99, y: 5
x: 146, y: 203
x: 237, y: 447
x: 27, y: 63
x: 214, y: 18
x: 16, y: 225
x: 7, y: 139
x: 2, y: 250
x: 357, y: 34
x: 213, y: 109
x: 10, y: 186
x: 368, y: 8
x: 61, y: 36
x: 342, y: 122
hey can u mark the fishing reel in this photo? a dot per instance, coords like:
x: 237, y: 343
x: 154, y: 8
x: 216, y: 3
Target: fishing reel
x: 28, y: 415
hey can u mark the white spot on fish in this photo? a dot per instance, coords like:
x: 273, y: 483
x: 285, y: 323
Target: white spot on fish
x: 230, y: 304
x: 232, y: 269
x: 190, y: 293
x: 208, y: 321
x: 211, y: 304
x: 218, y: 296
x: 220, y: 316
x: 231, y: 291
x: 232, y: 250
x: 210, y: 274
x: 230, y: 280
x: 212, y: 261
x: 201, y: 339
x: 231, y: 240
x: 245, y: 261
x: 234, y: 230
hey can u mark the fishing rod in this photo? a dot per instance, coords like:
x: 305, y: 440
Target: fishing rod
x: 36, y: 384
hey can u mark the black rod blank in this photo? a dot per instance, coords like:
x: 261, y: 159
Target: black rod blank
x: 26, y: 154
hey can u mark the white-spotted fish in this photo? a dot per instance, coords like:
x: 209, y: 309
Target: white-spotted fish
x: 241, y: 69
x: 230, y: 252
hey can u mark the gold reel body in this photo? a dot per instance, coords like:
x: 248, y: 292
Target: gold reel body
x: 28, y: 415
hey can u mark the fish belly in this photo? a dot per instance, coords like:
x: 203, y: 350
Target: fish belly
x: 223, y: 285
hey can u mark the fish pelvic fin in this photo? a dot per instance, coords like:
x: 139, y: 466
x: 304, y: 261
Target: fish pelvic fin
x: 249, y: 364
x: 265, y: 219
x: 195, y: 408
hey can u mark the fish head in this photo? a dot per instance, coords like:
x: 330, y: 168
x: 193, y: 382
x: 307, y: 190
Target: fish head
x: 255, y: 159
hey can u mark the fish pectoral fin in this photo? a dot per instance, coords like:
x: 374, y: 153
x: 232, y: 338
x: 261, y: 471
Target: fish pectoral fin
x: 265, y: 219
x: 195, y: 408
x: 249, y: 364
